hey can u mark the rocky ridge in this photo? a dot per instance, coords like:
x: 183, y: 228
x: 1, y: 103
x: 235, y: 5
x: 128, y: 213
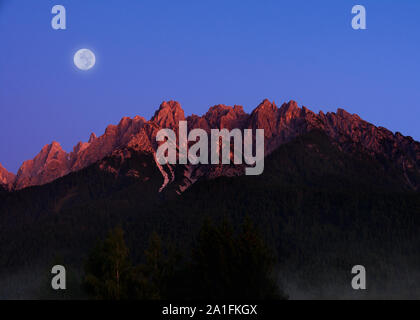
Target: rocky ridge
x: 281, y: 125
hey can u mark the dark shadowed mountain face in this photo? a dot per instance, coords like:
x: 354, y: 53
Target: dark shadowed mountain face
x: 322, y: 209
x: 336, y: 191
x: 3, y: 190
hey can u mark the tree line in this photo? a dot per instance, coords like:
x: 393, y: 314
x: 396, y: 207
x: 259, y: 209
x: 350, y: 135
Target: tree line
x: 223, y: 264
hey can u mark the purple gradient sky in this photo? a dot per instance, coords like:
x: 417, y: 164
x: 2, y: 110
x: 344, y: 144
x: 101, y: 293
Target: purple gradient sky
x: 200, y: 53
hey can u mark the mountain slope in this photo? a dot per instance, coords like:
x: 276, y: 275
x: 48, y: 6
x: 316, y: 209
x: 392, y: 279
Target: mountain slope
x: 321, y: 208
x: 6, y: 178
x: 127, y: 185
x: 281, y: 125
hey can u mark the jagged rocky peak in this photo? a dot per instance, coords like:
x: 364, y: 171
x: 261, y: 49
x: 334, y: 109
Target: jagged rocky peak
x: 51, y: 152
x: 195, y: 122
x: 80, y: 147
x: 222, y: 116
x: 265, y: 116
x: 53, y: 162
x: 290, y: 109
x: 50, y: 164
x: 6, y: 178
x: 280, y: 125
x: 125, y: 122
x: 169, y: 114
x: 128, y: 125
x: 266, y: 106
x: 344, y: 114
x: 114, y: 137
x: 264, y: 109
x: 92, y: 137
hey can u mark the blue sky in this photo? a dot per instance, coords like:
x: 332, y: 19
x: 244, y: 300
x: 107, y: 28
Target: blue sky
x: 200, y: 53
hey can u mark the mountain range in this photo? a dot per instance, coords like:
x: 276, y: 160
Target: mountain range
x: 336, y: 191
x: 281, y: 125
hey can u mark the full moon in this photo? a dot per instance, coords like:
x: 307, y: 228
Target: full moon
x: 84, y: 59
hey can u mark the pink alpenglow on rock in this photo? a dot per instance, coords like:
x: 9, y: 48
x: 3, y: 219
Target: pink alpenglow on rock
x: 280, y: 124
x: 6, y: 178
